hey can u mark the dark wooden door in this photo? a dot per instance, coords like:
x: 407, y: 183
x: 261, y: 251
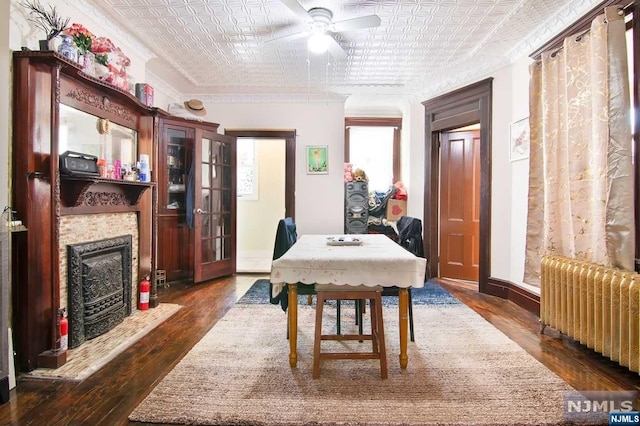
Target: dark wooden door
x: 460, y: 205
x: 214, y: 205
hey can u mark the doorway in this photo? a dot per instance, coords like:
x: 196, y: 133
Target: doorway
x: 460, y: 203
x: 266, y: 196
x: 260, y: 201
x: 462, y: 107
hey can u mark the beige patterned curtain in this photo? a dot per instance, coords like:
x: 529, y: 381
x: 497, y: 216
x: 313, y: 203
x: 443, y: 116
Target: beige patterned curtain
x: 580, y: 172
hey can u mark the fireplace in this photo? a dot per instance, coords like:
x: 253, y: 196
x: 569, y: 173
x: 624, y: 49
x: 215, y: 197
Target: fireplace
x: 99, y: 287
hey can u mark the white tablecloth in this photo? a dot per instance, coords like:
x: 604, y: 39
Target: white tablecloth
x: 377, y: 262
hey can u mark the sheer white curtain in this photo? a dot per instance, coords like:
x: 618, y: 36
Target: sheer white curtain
x: 581, y: 177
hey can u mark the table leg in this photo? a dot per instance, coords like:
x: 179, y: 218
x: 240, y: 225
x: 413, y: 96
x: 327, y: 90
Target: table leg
x: 293, y: 325
x: 403, y: 312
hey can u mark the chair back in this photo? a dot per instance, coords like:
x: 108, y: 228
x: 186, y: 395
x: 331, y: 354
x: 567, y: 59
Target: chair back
x: 286, y: 236
x: 410, y: 235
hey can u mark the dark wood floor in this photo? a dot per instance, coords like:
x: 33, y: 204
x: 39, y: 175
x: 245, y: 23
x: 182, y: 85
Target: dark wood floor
x: 108, y: 396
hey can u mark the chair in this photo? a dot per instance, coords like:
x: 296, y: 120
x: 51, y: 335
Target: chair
x: 358, y: 293
x: 286, y: 236
x: 409, y: 237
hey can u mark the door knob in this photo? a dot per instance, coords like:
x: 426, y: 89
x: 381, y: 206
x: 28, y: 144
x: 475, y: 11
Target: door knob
x: 198, y: 211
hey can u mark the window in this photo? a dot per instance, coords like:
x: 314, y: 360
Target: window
x: 373, y: 145
x: 247, y: 169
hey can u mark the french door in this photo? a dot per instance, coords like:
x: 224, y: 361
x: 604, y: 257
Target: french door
x: 214, y: 205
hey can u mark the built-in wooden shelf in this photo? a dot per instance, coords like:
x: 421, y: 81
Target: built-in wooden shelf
x: 91, y: 192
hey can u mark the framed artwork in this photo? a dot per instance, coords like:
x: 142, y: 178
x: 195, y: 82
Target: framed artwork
x: 519, y: 140
x: 317, y: 159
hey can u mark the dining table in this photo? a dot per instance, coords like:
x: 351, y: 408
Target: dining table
x: 358, y: 260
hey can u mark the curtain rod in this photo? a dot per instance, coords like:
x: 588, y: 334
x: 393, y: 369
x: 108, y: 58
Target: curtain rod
x: 581, y: 25
x: 578, y: 37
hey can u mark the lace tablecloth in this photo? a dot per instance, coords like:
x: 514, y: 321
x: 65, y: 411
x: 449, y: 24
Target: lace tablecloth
x: 377, y: 262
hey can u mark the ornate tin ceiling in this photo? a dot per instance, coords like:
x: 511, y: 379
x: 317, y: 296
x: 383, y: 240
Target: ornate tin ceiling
x: 421, y: 48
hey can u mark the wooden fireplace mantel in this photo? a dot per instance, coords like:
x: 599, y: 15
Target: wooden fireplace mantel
x: 42, y: 196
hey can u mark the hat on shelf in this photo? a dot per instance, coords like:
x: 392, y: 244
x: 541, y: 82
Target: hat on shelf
x: 195, y: 106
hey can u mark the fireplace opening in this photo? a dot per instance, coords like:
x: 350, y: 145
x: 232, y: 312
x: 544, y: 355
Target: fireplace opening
x: 99, y: 287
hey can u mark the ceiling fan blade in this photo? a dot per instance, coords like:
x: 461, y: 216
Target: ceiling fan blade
x: 297, y: 8
x: 368, y: 21
x: 336, y: 50
x: 289, y: 37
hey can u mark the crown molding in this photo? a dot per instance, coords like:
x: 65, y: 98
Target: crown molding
x: 270, y: 98
x: 553, y: 26
x: 162, y: 86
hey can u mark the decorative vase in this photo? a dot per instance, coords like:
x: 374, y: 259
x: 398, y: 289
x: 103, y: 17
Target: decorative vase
x: 88, y: 63
x: 67, y: 50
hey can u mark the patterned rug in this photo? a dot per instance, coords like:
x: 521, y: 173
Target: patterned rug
x: 430, y: 294
x: 461, y: 371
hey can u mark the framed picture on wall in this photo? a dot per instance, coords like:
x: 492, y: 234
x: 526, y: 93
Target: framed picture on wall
x: 519, y: 140
x: 317, y: 160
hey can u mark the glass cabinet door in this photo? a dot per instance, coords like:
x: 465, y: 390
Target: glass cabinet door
x: 175, y: 170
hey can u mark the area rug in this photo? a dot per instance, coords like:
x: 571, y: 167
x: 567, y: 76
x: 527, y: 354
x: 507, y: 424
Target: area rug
x: 430, y: 294
x: 462, y: 371
x: 95, y: 353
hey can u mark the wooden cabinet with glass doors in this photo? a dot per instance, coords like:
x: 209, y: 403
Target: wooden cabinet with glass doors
x: 196, y: 213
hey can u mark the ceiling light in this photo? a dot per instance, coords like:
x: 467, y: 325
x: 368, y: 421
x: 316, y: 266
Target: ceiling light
x: 318, y: 43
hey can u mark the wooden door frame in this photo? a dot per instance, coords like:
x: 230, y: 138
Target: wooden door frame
x: 468, y: 105
x: 290, y: 160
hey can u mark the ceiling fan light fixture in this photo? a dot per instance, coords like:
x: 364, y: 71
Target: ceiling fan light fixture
x: 318, y: 43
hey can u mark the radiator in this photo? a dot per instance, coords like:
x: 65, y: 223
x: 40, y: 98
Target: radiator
x: 595, y: 305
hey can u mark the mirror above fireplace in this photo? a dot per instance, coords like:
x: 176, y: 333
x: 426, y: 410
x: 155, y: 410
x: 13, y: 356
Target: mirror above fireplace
x: 88, y: 134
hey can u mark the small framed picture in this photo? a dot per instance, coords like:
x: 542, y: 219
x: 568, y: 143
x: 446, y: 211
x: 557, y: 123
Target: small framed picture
x: 317, y: 160
x: 519, y: 140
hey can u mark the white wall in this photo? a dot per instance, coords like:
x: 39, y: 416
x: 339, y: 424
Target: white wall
x: 319, y: 198
x: 519, y: 172
x: 501, y: 176
x: 258, y: 219
x: 413, y: 167
x: 510, y: 180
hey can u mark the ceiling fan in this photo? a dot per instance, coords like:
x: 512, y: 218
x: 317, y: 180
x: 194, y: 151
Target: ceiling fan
x: 321, y: 28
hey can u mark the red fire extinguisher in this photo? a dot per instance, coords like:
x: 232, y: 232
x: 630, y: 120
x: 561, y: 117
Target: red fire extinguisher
x: 145, y: 287
x: 64, y: 330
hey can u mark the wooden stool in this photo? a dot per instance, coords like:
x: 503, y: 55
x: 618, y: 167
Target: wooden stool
x: 336, y: 292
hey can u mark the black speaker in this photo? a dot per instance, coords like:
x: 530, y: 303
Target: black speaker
x: 356, y: 205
